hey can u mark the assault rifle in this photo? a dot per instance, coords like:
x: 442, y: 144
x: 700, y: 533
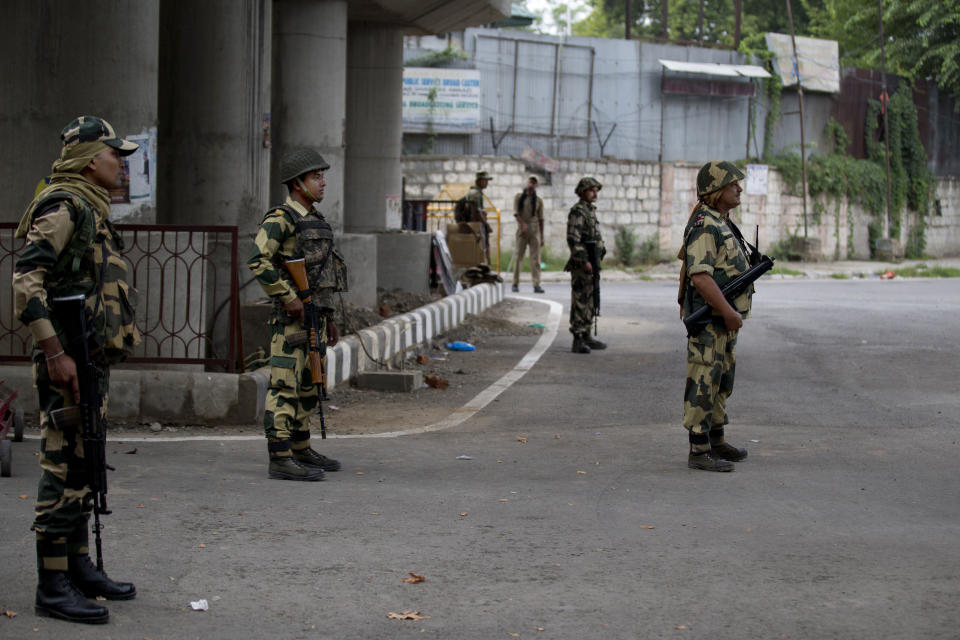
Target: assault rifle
x: 594, y: 258
x: 316, y: 353
x: 71, y: 313
x: 699, y: 319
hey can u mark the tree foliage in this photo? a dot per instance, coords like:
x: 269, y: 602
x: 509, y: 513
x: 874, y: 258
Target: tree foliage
x: 922, y: 36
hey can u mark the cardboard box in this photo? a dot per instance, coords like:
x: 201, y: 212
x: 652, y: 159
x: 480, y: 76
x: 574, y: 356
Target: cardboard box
x: 465, y: 242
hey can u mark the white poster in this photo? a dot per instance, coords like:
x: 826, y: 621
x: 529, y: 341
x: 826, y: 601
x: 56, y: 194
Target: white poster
x: 818, y: 62
x: 441, y: 100
x: 757, y: 179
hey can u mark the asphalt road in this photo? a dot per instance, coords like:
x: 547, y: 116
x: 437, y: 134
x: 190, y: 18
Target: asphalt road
x: 842, y: 523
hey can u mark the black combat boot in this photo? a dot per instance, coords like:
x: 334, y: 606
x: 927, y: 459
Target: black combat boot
x: 538, y: 289
x: 515, y: 288
x: 579, y: 344
x: 58, y: 598
x: 286, y: 468
x: 724, y: 450
x: 708, y: 461
x: 92, y: 582
x: 310, y: 458
x: 593, y: 343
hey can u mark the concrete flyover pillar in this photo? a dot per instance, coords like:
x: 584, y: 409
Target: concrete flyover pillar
x: 309, y: 91
x: 66, y: 59
x: 214, y: 112
x: 374, y: 127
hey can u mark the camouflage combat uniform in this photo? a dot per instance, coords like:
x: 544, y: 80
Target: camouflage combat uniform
x: 710, y: 247
x: 292, y: 395
x: 582, y: 227
x: 72, y: 248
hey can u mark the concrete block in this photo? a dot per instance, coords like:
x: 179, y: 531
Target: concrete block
x: 360, y: 253
x: 123, y: 403
x: 252, y: 392
x: 405, y: 260
x: 214, y: 395
x: 395, y: 381
x: 165, y: 396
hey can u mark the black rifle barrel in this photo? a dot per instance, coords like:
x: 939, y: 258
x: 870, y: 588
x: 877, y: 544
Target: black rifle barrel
x: 699, y: 319
x: 71, y: 313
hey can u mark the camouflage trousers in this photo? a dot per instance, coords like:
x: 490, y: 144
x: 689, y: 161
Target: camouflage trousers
x: 711, y: 365
x: 531, y: 240
x: 64, y: 502
x: 581, y: 301
x: 292, y: 395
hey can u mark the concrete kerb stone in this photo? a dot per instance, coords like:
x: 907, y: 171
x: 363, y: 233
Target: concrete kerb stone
x: 179, y: 397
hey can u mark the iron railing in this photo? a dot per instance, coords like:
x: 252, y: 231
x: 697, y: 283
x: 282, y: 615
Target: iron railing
x: 186, y: 278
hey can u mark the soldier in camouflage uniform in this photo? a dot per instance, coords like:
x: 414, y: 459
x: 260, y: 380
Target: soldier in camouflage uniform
x: 583, y: 237
x: 469, y: 208
x: 713, y: 253
x: 72, y: 248
x: 291, y: 231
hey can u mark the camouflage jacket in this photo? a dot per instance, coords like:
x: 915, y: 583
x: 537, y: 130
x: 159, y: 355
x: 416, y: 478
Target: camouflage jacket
x: 709, y: 246
x: 582, y: 227
x: 277, y: 241
x: 66, y: 246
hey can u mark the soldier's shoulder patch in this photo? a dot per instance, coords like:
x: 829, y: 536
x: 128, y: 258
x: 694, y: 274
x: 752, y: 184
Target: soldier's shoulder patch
x: 697, y: 221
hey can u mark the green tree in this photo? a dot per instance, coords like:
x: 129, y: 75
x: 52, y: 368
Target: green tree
x: 922, y: 37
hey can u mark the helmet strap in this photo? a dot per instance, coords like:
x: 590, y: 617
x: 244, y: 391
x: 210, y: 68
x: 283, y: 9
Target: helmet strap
x: 303, y: 188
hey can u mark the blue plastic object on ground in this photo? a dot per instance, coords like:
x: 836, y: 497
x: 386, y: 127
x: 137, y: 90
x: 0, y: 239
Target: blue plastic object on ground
x: 460, y: 346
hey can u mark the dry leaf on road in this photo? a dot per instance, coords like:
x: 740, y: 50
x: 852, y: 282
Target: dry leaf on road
x: 414, y: 578
x: 521, y: 440
x: 406, y: 615
x: 9, y: 613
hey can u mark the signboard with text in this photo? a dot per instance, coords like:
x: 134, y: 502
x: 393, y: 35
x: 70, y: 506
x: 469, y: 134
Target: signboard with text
x: 441, y: 100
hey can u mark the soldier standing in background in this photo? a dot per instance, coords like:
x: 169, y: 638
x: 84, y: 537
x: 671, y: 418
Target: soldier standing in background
x: 469, y: 208
x: 586, y: 252
x: 290, y: 231
x: 528, y: 210
x: 713, y: 253
x: 72, y: 249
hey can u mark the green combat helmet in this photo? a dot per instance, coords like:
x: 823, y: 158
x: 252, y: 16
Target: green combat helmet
x: 586, y: 183
x: 300, y: 161
x: 94, y: 129
x: 715, y: 175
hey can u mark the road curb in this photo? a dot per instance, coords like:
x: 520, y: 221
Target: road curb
x: 196, y: 397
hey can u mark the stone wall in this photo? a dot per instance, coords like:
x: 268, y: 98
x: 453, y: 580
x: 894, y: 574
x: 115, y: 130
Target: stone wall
x: 655, y: 200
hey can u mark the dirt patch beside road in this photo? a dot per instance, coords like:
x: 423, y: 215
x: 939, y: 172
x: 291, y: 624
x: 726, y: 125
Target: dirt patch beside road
x: 501, y: 335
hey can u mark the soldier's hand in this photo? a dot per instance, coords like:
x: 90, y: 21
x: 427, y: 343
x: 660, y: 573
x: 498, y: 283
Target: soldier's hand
x: 732, y: 320
x: 63, y: 373
x: 588, y: 268
x: 294, y: 308
x: 333, y: 334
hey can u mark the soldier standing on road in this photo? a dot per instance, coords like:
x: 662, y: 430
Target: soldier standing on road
x: 528, y: 210
x: 713, y: 253
x: 72, y: 248
x: 290, y: 231
x: 586, y: 252
x: 469, y: 208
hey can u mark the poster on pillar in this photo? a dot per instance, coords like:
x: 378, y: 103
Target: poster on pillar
x: 441, y: 100
x: 394, y: 205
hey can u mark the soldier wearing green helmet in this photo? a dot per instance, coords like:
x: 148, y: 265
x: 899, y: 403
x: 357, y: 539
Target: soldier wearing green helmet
x: 586, y: 252
x: 292, y: 231
x: 713, y: 253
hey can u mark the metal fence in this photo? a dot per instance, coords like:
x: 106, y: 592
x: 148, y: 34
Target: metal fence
x: 186, y: 278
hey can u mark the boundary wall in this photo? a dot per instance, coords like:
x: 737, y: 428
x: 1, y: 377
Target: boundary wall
x: 654, y: 200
